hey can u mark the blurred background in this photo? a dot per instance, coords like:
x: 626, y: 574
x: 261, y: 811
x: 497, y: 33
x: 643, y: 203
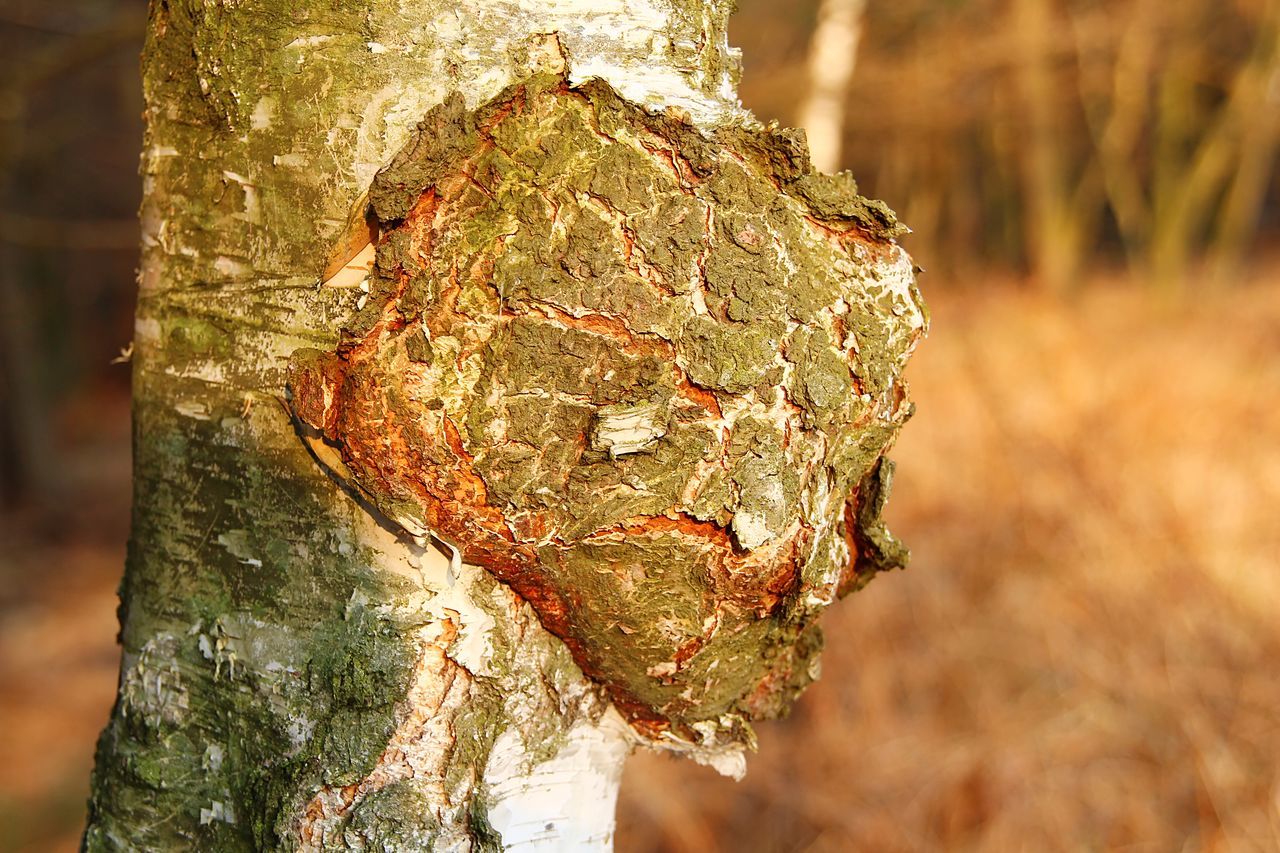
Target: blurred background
x: 1085, y: 653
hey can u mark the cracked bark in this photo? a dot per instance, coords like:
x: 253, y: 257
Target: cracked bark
x: 348, y: 618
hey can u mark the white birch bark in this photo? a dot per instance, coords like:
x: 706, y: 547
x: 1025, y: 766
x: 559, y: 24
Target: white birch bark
x: 833, y: 56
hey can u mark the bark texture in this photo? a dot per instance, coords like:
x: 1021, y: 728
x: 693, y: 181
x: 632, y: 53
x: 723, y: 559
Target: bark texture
x: 560, y: 373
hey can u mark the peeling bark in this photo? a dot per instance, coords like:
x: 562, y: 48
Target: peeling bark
x: 582, y: 427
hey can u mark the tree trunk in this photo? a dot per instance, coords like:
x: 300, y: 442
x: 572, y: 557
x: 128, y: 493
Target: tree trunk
x: 585, y: 371
x: 833, y: 55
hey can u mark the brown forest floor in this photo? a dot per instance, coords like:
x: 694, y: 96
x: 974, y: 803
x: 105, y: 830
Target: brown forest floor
x: 1084, y: 655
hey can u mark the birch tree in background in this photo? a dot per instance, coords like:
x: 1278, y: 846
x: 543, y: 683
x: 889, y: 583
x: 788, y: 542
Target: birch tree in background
x: 506, y: 397
x: 833, y: 55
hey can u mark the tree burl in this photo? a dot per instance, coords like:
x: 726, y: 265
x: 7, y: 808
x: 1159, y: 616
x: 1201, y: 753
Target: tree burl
x: 644, y: 376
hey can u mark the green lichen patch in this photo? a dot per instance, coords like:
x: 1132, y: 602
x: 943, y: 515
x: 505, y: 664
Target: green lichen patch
x: 732, y: 359
x: 251, y: 680
x: 637, y: 370
x: 397, y: 817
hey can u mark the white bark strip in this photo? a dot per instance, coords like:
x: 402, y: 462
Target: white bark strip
x: 832, y: 58
x: 641, y: 47
x: 566, y: 803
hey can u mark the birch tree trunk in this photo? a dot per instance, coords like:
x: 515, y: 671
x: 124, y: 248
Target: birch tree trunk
x: 833, y: 55
x: 472, y: 451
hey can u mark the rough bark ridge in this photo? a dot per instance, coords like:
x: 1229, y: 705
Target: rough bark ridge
x: 300, y: 674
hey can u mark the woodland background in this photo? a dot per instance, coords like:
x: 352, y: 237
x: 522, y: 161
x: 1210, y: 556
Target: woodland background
x: 1085, y: 653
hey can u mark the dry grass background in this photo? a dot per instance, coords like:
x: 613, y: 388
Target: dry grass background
x: 58, y: 656
x: 1085, y: 654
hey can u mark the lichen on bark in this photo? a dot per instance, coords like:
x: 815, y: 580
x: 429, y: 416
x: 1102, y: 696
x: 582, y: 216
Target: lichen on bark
x: 559, y: 258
